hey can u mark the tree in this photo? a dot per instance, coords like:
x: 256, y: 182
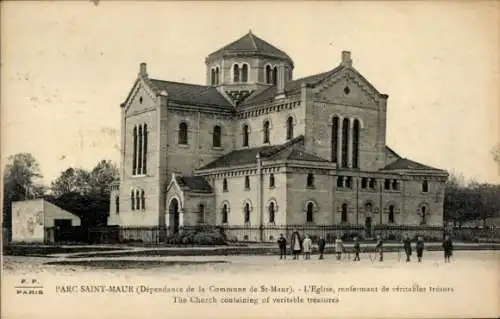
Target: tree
x: 72, y: 180
x: 102, y: 175
x: 21, y: 181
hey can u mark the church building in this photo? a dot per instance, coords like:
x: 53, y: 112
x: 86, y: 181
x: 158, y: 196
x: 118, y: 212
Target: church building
x: 254, y: 148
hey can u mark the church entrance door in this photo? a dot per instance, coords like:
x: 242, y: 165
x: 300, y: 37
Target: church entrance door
x: 173, y: 215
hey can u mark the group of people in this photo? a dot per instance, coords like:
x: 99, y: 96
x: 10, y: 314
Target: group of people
x: 299, y: 245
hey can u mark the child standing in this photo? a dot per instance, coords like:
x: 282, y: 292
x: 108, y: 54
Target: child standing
x: 321, y: 246
x: 282, y: 246
x: 339, y: 247
x: 448, y: 248
x: 420, y: 248
x: 307, y: 247
x: 357, y: 249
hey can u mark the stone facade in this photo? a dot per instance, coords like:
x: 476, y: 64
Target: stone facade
x: 262, y: 149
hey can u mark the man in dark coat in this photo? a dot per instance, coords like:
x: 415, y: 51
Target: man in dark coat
x: 357, y: 249
x: 296, y: 244
x: 448, y: 248
x: 380, y: 248
x: 321, y: 246
x: 407, y: 247
x: 420, y: 248
x: 282, y: 246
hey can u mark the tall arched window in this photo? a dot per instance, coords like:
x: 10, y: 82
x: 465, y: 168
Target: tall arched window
x: 201, y: 214
x: 224, y: 185
x: 247, y: 182
x: 309, y: 213
x: 212, y: 77
x: 137, y: 200
x: 246, y: 211
x: 224, y: 214
x: 310, y: 180
x: 183, y: 133
x: 266, y: 132
x: 132, y: 200
x: 143, y: 200
x: 425, y: 186
x: 145, y: 150
x: 269, y: 74
x: 216, y: 138
x: 139, y: 160
x: 134, y: 158
x: 245, y: 135
x: 272, y: 211
x: 217, y: 75
x: 117, y: 204
x: 236, y: 73
x: 335, y: 137
x: 355, y: 144
x: 275, y: 75
x: 271, y: 180
x: 391, y: 214
x: 343, y: 216
x: 345, y: 141
x: 244, y: 73
x: 423, y: 215
x: 289, y: 128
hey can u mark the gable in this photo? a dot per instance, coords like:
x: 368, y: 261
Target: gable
x: 347, y: 86
x: 141, y: 97
x: 174, y: 190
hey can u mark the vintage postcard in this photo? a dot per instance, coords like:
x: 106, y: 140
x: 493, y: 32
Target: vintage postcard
x: 250, y: 159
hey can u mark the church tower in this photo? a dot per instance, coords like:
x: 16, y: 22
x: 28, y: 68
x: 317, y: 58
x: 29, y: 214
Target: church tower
x: 247, y: 65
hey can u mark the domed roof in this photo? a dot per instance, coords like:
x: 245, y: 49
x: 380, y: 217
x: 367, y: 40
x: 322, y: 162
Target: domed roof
x: 249, y: 45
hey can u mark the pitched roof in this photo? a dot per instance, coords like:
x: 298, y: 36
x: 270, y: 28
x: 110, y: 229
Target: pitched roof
x: 192, y: 94
x: 291, y: 150
x: 291, y: 87
x: 196, y: 184
x: 406, y: 164
x: 390, y: 150
x: 251, y: 44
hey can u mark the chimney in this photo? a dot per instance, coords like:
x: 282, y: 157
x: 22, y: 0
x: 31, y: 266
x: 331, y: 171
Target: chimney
x: 143, y: 70
x: 346, y: 58
x: 280, y: 89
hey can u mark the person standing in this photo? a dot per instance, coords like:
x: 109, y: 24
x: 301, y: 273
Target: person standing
x: 282, y: 246
x: 380, y: 248
x: 407, y: 247
x: 357, y: 249
x: 296, y: 244
x: 420, y: 248
x: 448, y: 248
x: 339, y: 247
x: 321, y: 246
x: 307, y: 247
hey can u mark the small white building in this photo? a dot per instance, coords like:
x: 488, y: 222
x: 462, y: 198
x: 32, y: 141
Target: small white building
x: 32, y: 218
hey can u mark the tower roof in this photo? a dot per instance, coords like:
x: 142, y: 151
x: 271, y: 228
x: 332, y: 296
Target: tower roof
x: 250, y: 44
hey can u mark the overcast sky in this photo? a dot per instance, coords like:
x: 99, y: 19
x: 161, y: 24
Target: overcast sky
x: 67, y: 66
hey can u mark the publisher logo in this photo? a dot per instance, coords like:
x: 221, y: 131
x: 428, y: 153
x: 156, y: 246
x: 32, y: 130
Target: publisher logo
x: 29, y: 287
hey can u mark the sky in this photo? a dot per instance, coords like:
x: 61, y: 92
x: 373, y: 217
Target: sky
x: 66, y: 67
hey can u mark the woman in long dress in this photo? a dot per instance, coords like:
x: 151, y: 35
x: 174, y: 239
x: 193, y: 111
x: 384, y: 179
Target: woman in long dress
x: 296, y: 244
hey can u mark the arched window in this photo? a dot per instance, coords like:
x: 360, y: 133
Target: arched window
x: 213, y: 77
x: 224, y: 185
x: 272, y: 211
x: 340, y: 181
x: 355, y: 144
x: 391, y: 214
x: 425, y: 186
x: 289, y: 128
x: 217, y: 75
x: 372, y: 183
x: 245, y: 135
x: 269, y: 74
x: 247, y: 213
x: 343, y: 216
x: 335, y: 137
x: 275, y: 75
x: 395, y: 185
x: 266, y: 132
x: 348, y: 182
x: 132, y: 200
x: 247, y: 182
x: 137, y: 200
x: 139, y: 160
x: 423, y: 215
x: 117, y: 204
x: 364, y: 182
x: 183, y: 133
x: 216, y: 138
x: 134, y: 158
x: 368, y: 208
x: 224, y: 214
x: 236, y: 73
x: 345, y: 141
x: 143, y: 200
x: 309, y: 213
x: 387, y: 184
x: 244, y: 73
x: 145, y: 149
x: 271, y: 180
x: 310, y: 180
x: 201, y: 214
